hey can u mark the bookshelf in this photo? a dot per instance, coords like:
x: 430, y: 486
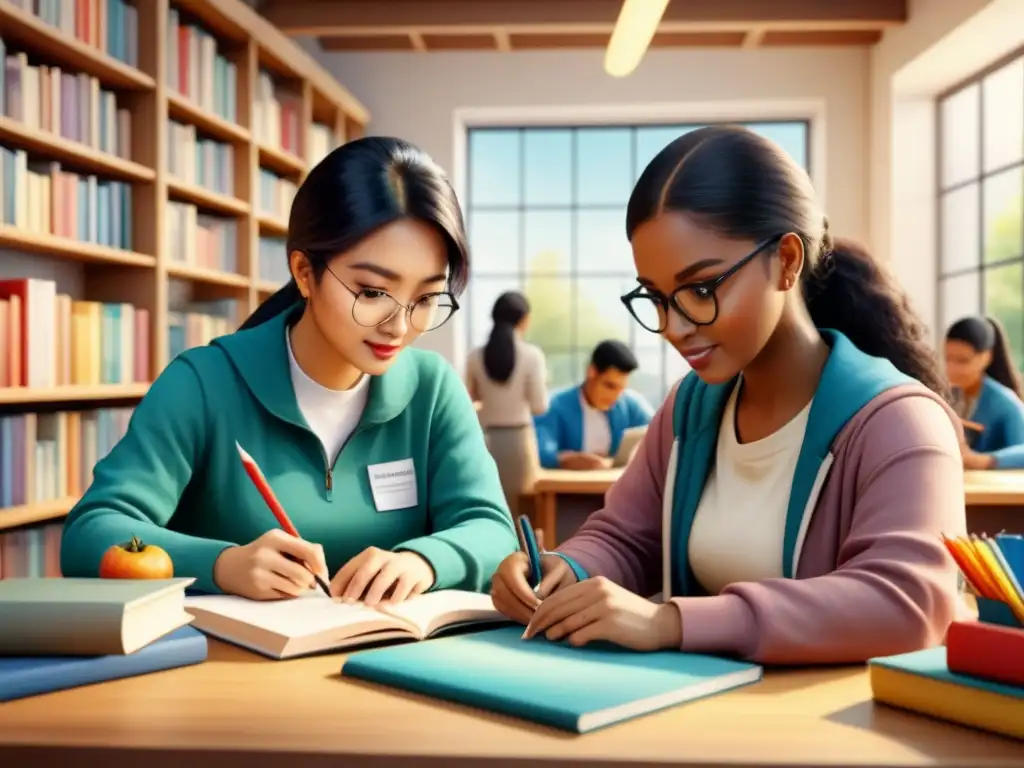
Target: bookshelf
x: 202, y: 118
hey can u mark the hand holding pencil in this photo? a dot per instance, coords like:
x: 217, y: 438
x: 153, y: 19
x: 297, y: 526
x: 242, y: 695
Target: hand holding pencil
x: 277, y: 564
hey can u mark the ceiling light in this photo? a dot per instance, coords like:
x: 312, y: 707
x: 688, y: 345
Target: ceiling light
x: 637, y: 23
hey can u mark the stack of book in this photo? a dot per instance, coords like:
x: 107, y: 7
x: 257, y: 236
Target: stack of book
x: 63, y: 633
x: 977, y: 678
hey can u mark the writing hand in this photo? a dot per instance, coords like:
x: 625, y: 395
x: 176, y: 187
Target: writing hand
x: 599, y: 609
x: 512, y: 594
x: 579, y: 460
x: 271, y: 567
x: 370, y: 575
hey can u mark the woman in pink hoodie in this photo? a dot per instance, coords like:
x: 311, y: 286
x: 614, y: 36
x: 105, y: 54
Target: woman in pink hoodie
x: 788, y: 501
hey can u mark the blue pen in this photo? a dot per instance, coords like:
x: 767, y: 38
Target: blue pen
x: 528, y: 544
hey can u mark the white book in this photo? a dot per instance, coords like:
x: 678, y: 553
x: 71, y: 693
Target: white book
x: 315, y: 623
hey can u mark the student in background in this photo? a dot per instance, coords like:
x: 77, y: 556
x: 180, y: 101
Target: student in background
x: 987, y: 392
x: 789, y: 498
x: 583, y: 426
x: 508, y: 377
x: 374, y: 450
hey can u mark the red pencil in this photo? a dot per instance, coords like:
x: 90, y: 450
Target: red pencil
x: 260, y: 481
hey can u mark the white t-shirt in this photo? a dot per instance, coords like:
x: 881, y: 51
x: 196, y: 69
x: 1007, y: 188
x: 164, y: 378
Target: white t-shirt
x: 738, y: 532
x: 332, y: 414
x: 597, y: 435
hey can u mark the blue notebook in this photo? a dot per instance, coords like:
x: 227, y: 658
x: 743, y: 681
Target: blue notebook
x: 22, y: 676
x: 555, y: 684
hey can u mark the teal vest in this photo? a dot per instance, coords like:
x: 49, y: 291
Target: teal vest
x: 849, y: 381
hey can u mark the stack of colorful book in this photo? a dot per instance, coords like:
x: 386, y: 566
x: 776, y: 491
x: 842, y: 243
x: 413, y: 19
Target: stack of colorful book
x: 977, y: 678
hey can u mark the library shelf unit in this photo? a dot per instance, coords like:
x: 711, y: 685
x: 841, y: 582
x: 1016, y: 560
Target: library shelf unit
x: 216, y: 119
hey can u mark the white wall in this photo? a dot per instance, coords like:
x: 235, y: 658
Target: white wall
x: 415, y: 96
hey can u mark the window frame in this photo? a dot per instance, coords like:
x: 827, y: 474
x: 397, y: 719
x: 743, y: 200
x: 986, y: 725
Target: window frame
x: 981, y: 267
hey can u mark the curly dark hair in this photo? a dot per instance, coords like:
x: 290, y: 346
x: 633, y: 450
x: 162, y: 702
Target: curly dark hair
x: 744, y: 186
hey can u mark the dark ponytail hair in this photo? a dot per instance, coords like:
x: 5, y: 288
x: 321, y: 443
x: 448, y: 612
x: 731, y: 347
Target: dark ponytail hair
x: 500, y: 351
x: 355, y: 190
x: 743, y: 186
x: 986, y: 334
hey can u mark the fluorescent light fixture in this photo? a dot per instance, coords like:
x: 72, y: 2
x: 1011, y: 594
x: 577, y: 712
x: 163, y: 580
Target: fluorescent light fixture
x: 637, y: 23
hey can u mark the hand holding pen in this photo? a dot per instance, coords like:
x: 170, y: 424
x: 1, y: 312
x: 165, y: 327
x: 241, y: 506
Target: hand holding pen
x: 527, y: 577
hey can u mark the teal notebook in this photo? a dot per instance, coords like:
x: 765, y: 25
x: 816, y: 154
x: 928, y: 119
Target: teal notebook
x: 573, y: 689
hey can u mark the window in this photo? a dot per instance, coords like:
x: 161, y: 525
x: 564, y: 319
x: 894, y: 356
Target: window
x: 546, y: 212
x: 981, y: 200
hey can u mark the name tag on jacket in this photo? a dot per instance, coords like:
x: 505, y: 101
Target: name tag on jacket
x: 393, y: 485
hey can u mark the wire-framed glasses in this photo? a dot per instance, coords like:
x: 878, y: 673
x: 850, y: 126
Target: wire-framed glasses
x: 373, y: 307
x: 696, y: 302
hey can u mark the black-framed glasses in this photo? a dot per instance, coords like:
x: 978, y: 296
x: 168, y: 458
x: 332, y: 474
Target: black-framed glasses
x: 695, y: 302
x: 373, y: 307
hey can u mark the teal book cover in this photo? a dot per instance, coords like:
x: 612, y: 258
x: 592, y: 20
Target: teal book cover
x: 555, y: 684
x: 931, y: 662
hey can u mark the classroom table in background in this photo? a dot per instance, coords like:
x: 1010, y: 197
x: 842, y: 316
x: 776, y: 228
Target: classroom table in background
x: 551, y: 483
x: 239, y: 710
x: 995, y: 501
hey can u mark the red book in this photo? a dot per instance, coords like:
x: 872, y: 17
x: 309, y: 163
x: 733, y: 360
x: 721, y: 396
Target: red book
x: 988, y: 651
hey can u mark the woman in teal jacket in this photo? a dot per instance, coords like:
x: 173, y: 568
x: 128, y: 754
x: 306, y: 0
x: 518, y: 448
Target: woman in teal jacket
x: 987, y: 393
x: 374, y: 451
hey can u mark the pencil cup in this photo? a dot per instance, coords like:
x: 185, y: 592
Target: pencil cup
x: 997, y: 612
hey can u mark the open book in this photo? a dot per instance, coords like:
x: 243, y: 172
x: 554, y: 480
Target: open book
x: 315, y: 623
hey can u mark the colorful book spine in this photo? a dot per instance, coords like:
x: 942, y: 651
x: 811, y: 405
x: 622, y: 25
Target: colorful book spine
x: 201, y: 240
x: 276, y: 116
x: 198, y: 326
x: 273, y: 260
x: 50, y: 456
x: 198, y: 70
x: 30, y: 552
x: 321, y: 142
x: 112, y: 26
x: 42, y: 198
x: 48, y: 339
x: 197, y: 160
x: 276, y: 195
x: 68, y: 104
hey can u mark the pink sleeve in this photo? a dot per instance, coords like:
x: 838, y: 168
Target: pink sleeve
x: 894, y: 588
x: 622, y: 541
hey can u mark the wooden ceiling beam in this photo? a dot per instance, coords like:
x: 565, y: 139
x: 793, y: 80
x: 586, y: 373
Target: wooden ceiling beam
x: 383, y: 17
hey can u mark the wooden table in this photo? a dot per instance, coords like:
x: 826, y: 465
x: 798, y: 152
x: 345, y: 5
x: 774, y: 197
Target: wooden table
x: 995, y: 501
x: 551, y: 482
x: 238, y: 709
x: 982, y: 491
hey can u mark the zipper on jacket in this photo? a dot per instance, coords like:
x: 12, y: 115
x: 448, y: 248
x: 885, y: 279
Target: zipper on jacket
x: 329, y: 468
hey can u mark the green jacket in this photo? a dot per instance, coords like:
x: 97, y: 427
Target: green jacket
x: 176, y: 479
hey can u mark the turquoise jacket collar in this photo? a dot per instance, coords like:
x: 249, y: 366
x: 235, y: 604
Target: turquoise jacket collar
x: 260, y: 356
x: 850, y: 380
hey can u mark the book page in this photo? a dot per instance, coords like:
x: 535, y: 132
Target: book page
x: 309, y: 614
x: 433, y: 610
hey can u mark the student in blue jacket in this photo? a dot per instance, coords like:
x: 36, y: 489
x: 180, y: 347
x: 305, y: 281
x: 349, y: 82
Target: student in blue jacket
x: 583, y: 425
x: 987, y: 391
x: 374, y: 450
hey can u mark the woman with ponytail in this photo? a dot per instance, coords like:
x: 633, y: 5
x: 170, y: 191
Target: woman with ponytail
x: 987, y: 393
x: 788, y: 502
x: 374, y: 450
x: 508, y: 378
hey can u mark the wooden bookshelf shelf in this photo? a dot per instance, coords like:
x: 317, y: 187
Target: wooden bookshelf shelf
x: 70, y: 249
x: 267, y: 287
x: 41, y: 512
x: 269, y: 226
x: 280, y: 161
x: 26, y: 29
x: 80, y: 156
x: 208, y: 276
x: 183, y: 110
x: 207, y: 199
x: 75, y: 393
